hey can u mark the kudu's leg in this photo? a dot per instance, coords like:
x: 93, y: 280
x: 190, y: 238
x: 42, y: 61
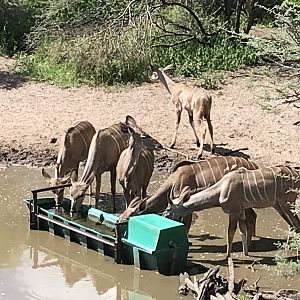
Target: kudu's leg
x: 202, y: 129
x: 178, y: 111
x: 127, y: 196
x: 187, y: 221
x: 211, y: 134
x: 286, y: 207
x: 113, y: 178
x: 251, y: 217
x: 232, y: 225
x: 244, y: 232
x: 97, y: 193
x: 191, y: 119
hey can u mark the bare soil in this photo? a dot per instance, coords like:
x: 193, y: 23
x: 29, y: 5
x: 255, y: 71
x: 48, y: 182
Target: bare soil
x: 255, y: 114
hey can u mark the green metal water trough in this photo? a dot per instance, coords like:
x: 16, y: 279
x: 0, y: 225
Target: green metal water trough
x: 148, y: 241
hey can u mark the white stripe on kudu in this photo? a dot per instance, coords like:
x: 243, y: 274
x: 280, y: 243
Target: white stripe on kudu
x: 275, y: 182
x: 84, y: 140
x: 254, y: 175
x: 115, y: 139
x: 212, y: 171
x: 195, y: 174
x: 218, y: 165
x: 264, y: 184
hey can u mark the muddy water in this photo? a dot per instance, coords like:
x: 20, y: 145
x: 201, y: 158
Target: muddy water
x: 36, y: 265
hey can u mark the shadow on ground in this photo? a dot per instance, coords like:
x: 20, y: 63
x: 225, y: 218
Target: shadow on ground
x: 11, y: 80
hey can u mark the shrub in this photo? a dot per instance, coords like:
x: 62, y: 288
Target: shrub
x: 15, y: 23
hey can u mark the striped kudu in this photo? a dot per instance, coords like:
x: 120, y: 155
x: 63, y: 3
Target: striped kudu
x: 135, y: 167
x: 195, y: 100
x: 196, y: 175
x: 106, y: 147
x: 74, y: 149
x: 240, y: 190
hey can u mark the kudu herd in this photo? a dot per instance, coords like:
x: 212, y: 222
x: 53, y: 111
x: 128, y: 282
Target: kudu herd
x: 240, y: 190
x: 235, y: 184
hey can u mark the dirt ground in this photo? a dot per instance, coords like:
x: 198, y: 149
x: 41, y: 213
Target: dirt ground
x: 255, y: 114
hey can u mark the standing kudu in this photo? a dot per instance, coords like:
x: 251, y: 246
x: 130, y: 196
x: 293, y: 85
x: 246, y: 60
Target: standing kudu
x: 135, y: 167
x: 195, y: 100
x: 74, y: 149
x: 106, y: 147
x: 240, y: 190
x: 196, y: 175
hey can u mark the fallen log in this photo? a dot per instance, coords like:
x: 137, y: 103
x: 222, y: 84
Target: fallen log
x: 215, y: 287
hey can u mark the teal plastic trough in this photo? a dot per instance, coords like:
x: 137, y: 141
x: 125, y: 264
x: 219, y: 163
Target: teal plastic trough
x: 157, y: 243
x: 100, y: 217
x: 149, y: 241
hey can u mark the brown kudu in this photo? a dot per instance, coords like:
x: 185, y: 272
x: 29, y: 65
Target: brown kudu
x: 196, y: 175
x: 195, y: 100
x: 73, y: 149
x: 105, y: 149
x: 240, y: 190
x: 135, y: 167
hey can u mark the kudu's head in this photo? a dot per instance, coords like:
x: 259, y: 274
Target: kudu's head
x: 147, y: 140
x: 135, y: 207
x: 175, y: 209
x: 55, y: 181
x: 78, y: 189
x: 158, y: 73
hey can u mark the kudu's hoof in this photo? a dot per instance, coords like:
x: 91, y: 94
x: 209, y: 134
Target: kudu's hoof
x: 172, y: 146
x: 198, y: 143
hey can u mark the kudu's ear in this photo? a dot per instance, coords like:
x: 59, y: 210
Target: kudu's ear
x: 91, y: 178
x: 184, y: 196
x: 45, y: 174
x: 74, y: 176
x: 131, y: 130
x: 232, y: 168
x: 66, y: 178
x: 153, y: 68
x: 130, y: 121
x: 168, y: 67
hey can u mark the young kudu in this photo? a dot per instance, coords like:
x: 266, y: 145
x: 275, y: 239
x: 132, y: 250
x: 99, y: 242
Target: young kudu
x: 74, y: 149
x: 195, y: 100
x: 196, y: 175
x: 135, y: 167
x: 105, y: 149
x: 240, y: 190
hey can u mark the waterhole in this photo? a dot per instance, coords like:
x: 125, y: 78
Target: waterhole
x: 37, y: 265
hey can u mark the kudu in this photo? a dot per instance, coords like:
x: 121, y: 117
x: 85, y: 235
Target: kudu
x: 135, y: 167
x: 196, y: 175
x: 195, y: 100
x: 105, y: 149
x: 240, y: 190
x: 73, y: 149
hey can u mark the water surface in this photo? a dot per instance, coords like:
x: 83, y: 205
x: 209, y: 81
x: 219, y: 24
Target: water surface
x: 37, y: 265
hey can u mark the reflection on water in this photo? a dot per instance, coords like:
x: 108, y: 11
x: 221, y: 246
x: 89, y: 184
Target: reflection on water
x: 37, y: 265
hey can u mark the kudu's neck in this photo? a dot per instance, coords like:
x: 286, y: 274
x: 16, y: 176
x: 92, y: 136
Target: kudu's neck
x: 158, y: 201
x: 134, y: 151
x: 208, y: 198
x: 166, y: 81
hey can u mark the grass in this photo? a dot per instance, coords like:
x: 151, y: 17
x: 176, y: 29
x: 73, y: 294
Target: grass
x: 118, y: 60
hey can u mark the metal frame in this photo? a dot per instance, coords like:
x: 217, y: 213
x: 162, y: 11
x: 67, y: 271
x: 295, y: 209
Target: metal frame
x: 35, y: 216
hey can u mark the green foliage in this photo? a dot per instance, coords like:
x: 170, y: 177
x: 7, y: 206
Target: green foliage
x: 14, y: 25
x: 288, y: 16
x: 40, y: 68
x: 93, y: 59
x: 222, y: 53
x: 286, y: 266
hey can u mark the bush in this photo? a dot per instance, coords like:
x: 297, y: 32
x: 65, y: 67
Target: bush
x: 222, y: 53
x: 97, y: 58
x: 15, y: 23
